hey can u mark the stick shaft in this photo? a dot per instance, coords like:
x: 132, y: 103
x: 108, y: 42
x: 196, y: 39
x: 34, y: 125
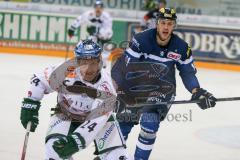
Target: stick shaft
x: 24, y: 149
x: 196, y: 101
x: 67, y: 51
x: 191, y: 101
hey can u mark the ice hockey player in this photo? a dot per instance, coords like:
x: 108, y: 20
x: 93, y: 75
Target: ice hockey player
x: 68, y: 131
x: 149, y: 19
x: 146, y: 73
x: 98, y: 21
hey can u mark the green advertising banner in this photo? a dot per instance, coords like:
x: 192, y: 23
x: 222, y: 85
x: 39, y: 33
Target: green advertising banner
x: 40, y: 31
x: 35, y: 28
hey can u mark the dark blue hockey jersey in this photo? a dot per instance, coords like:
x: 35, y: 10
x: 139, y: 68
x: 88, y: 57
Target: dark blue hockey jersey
x: 147, y: 67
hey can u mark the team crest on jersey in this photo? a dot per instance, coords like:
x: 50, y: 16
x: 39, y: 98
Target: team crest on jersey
x: 105, y: 88
x: 162, y: 53
x: 174, y: 56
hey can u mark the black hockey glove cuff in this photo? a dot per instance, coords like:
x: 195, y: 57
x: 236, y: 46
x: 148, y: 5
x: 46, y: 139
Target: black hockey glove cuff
x: 207, y: 100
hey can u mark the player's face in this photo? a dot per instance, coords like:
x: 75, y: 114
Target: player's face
x: 98, y: 10
x: 165, y: 28
x: 89, y: 69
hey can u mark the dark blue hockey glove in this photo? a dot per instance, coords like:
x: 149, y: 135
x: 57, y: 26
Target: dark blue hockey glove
x: 207, y: 100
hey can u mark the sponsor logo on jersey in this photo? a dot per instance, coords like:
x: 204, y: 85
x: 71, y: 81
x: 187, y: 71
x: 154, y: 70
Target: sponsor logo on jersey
x: 174, y: 56
x: 104, y: 85
x: 105, y: 136
x: 162, y: 53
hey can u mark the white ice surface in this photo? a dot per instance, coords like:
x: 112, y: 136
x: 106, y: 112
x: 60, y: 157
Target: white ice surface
x: 212, y: 134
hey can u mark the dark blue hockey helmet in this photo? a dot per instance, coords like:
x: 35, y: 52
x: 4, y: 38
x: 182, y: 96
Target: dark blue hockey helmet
x: 167, y: 13
x: 87, y: 49
x: 98, y: 3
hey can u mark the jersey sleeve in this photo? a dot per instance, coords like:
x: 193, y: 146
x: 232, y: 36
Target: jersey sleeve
x: 39, y: 84
x: 117, y: 71
x: 80, y: 20
x: 119, y: 68
x: 134, y: 48
x: 187, y: 70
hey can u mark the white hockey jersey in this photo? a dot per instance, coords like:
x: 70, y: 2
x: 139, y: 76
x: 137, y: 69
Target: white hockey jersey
x: 78, y: 104
x: 103, y: 23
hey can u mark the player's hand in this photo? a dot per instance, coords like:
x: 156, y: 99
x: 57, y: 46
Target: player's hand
x: 91, y: 30
x: 29, y: 113
x: 71, y: 32
x: 65, y: 147
x: 207, y: 100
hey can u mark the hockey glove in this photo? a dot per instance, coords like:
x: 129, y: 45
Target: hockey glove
x: 29, y: 113
x: 207, y: 100
x: 71, y: 32
x: 91, y: 30
x: 65, y: 147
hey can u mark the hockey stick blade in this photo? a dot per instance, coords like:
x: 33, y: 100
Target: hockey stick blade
x: 24, y: 149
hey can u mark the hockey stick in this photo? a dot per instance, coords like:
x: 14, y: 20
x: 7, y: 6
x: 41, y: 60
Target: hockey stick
x: 67, y: 50
x: 109, y: 100
x: 95, y: 93
x: 24, y: 149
